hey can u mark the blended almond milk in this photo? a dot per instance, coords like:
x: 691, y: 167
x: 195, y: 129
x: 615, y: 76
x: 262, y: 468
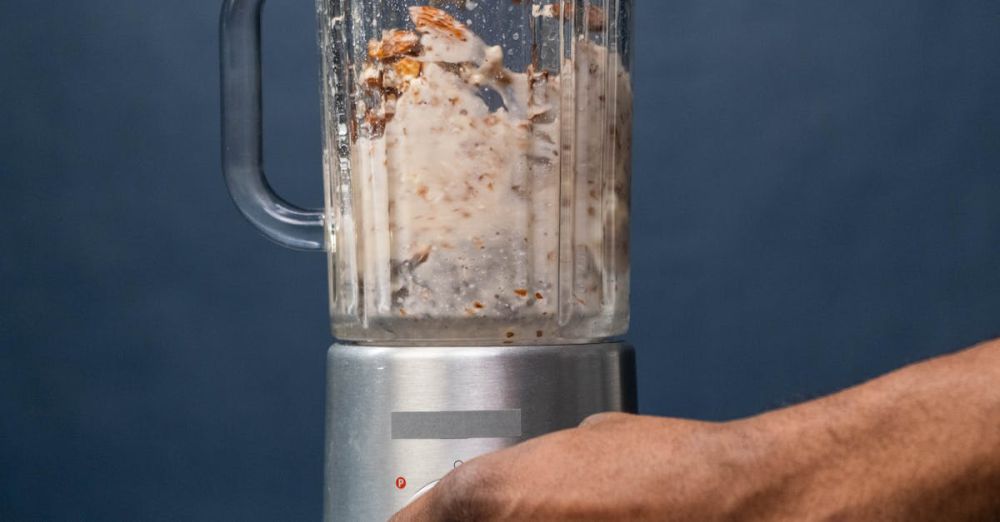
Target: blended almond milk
x: 457, y: 193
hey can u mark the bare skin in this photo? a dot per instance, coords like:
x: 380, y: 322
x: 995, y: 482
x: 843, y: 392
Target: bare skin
x: 921, y: 443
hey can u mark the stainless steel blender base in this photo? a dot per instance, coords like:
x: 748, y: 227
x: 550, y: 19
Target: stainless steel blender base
x: 400, y: 418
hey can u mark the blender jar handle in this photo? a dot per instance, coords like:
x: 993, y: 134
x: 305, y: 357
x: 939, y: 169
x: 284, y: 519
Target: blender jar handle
x: 242, y: 143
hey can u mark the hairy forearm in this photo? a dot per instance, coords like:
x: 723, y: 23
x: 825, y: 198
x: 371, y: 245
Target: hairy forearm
x: 921, y: 443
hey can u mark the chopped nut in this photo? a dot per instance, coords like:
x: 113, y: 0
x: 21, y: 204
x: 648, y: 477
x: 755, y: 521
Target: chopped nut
x: 421, y: 256
x: 407, y: 68
x: 429, y: 19
x: 521, y: 292
x: 394, y: 43
x: 456, y: 3
x: 372, y: 77
x: 510, y: 334
x: 539, y: 333
x: 538, y: 295
x: 479, y: 305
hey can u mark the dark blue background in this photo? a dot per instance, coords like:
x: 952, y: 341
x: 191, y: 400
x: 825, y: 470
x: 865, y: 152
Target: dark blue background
x: 816, y: 202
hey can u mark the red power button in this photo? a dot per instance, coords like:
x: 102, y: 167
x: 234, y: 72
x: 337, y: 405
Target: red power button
x: 400, y: 483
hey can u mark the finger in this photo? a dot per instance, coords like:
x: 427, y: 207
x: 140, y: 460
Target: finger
x: 608, y: 417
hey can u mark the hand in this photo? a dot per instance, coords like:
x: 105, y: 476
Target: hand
x: 613, y: 467
x: 919, y: 444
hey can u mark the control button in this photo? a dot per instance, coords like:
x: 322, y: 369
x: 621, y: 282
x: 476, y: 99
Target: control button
x: 423, y: 491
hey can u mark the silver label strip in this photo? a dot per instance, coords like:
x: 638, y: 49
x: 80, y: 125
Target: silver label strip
x: 483, y: 424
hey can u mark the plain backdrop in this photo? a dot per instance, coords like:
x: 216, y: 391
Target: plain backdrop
x: 816, y: 192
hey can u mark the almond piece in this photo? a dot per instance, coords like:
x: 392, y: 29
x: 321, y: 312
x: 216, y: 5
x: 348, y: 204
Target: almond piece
x: 372, y: 77
x: 394, y: 43
x: 407, y: 68
x: 433, y: 19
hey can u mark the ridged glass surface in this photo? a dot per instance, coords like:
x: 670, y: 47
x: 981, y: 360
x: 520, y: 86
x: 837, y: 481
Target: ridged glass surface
x: 477, y: 164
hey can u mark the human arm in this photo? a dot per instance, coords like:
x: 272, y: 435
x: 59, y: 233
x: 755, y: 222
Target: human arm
x: 921, y: 443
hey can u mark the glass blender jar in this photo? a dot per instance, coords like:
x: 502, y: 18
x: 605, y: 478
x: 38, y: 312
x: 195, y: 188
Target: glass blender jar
x: 476, y: 164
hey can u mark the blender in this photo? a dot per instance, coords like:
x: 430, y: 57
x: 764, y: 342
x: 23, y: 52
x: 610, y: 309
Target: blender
x: 476, y: 180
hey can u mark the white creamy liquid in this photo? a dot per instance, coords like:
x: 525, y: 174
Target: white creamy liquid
x: 459, y: 205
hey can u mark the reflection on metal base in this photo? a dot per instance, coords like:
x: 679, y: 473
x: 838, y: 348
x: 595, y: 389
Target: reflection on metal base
x: 400, y: 418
